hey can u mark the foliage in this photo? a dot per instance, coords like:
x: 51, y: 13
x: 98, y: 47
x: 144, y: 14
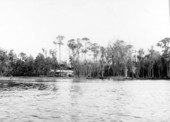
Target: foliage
x: 89, y: 59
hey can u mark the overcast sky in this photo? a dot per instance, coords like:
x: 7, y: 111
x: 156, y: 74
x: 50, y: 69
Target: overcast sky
x: 30, y: 25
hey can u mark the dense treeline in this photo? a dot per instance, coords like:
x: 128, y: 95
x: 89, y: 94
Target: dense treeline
x: 119, y: 59
x: 89, y: 59
x: 23, y: 65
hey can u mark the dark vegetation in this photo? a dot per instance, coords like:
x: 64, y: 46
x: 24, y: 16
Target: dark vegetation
x: 11, y: 85
x: 119, y: 59
x: 88, y: 59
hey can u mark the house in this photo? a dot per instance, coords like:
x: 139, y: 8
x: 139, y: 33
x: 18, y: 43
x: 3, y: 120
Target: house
x: 64, y: 73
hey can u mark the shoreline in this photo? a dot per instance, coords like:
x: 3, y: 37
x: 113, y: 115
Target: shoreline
x: 54, y: 79
x: 32, y: 79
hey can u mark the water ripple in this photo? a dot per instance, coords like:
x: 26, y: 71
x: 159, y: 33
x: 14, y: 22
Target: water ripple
x: 87, y: 101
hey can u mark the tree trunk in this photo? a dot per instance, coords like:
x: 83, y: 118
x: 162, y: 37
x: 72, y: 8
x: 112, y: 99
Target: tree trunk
x: 125, y: 71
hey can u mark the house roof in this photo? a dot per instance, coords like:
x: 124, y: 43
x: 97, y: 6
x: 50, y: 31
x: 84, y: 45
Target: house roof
x: 65, y: 71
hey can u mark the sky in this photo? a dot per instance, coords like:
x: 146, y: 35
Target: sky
x: 30, y: 25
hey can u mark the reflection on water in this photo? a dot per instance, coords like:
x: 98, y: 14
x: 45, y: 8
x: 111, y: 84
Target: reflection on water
x: 11, y: 85
x: 86, y: 101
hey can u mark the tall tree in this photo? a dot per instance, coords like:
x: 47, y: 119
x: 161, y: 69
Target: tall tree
x: 164, y: 44
x: 59, y: 38
x: 75, y: 46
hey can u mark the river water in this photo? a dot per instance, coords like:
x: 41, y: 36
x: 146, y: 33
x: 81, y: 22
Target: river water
x: 88, y: 101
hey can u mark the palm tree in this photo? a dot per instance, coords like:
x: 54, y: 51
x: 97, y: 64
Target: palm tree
x: 119, y: 55
x: 59, y: 38
x: 164, y: 44
x: 140, y: 68
x: 45, y: 52
x: 72, y: 46
x: 94, y: 47
x: 54, y: 59
x: 12, y: 57
x: 75, y: 46
x: 102, y: 60
x: 4, y: 62
x: 86, y: 40
x: 23, y: 56
x: 84, y: 51
x: 151, y: 62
